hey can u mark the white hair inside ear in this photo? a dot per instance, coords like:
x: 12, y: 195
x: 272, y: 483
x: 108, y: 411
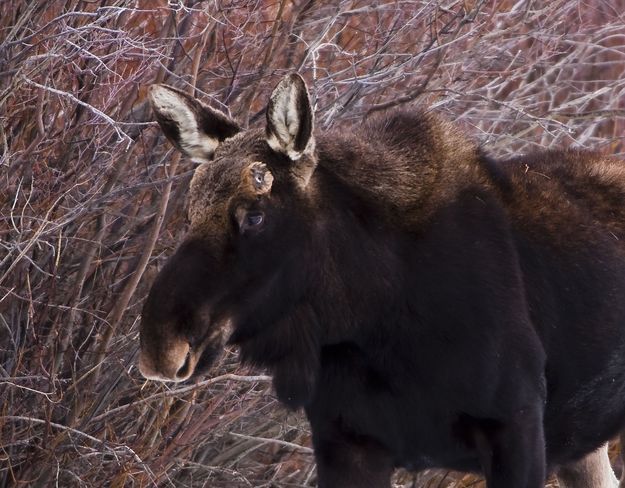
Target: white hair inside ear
x: 290, y: 119
x: 170, y: 105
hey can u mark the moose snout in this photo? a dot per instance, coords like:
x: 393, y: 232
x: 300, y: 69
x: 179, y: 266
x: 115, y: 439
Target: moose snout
x: 173, y: 363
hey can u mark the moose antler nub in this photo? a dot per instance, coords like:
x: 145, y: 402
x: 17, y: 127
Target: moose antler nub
x: 257, y: 179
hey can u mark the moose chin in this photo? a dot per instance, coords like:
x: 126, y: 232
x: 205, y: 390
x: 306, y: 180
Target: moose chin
x: 425, y: 304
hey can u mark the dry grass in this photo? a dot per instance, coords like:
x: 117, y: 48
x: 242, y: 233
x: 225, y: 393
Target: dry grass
x: 91, y: 196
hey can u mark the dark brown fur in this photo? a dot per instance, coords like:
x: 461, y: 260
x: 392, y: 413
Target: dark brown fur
x: 426, y: 305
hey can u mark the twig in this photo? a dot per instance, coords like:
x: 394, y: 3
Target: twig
x: 279, y: 442
x: 182, y: 390
x: 120, y: 133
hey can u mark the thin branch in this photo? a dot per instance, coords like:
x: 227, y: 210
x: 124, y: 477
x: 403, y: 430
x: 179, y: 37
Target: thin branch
x: 264, y: 440
x: 120, y: 133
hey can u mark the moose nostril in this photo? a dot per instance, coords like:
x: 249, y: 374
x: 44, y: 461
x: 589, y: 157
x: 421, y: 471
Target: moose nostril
x: 184, y: 370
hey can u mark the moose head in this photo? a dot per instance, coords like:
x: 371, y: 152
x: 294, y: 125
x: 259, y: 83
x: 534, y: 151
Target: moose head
x: 242, y: 268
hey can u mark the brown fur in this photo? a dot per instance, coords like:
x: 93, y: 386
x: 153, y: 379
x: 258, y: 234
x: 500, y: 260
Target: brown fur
x: 409, y: 163
x: 412, y: 170
x: 565, y: 196
x: 426, y: 305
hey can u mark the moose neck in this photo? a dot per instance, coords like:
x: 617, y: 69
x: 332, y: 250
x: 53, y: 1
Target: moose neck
x: 357, y: 261
x: 375, y: 190
x: 369, y: 194
x: 407, y: 164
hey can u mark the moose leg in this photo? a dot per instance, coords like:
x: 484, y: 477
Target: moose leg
x: 512, y: 454
x: 343, y: 463
x: 622, y: 439
x: 592, y: 471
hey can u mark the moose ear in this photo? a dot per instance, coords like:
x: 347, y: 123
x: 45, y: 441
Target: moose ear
x: 191, y: 126
x: 290, y: 118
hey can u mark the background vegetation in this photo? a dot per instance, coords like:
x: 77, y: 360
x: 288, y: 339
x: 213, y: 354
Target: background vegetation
x: 91, y: 195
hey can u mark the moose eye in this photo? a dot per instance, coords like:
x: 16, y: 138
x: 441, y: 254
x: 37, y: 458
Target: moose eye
x: 252, y: 220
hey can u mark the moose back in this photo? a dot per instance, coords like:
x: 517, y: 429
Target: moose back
x: 426, y: 305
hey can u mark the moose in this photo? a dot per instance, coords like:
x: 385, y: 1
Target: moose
x: 426, y: 304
